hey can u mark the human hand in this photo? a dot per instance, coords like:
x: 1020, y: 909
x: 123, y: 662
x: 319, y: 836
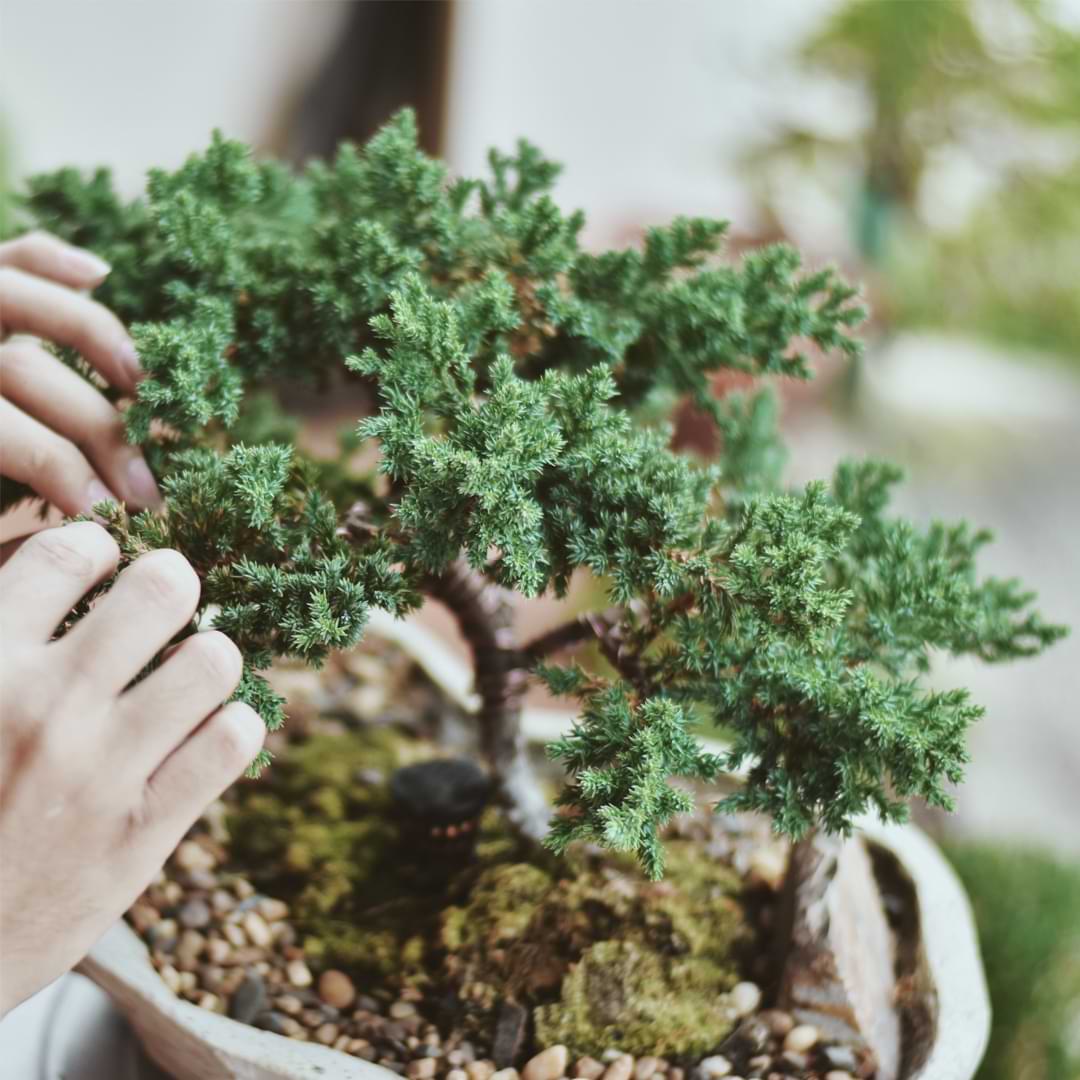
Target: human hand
x: 98, y: 783
x: 58, y: 435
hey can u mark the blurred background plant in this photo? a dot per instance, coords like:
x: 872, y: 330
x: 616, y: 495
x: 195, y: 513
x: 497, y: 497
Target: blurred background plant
x: 959, y: 174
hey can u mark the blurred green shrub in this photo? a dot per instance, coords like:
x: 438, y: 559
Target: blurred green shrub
x: 1027, y: 908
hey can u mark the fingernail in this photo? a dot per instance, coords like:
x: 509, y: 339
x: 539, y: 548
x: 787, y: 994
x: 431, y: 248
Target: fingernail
x: 86, y: 264
x: 142, y: 484
x: 129, y: 360
x: 97, y: 492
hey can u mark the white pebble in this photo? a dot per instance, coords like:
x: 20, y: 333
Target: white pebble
x: 620, y: 1069
x: 256, y: 929
x: 192, y: 856
x: 745, y: 997
x: 549, y: 1064
x: 298, y: 972
x: 715, y: 1067
x: 838, y: 1074
x: 802, y: 1038
x: 506, y: 1074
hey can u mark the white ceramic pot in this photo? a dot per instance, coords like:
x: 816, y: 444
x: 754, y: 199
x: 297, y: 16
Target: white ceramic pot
x: 193, y: 1044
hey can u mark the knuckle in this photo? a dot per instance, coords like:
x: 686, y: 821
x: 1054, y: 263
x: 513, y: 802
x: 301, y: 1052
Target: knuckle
x: 70, y: 550
x: 58, y: 463
x: 220, y: 660
x: 167, y: 577
x: 18, y: 359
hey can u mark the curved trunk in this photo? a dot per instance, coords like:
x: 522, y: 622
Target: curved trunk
x: 485, y: 620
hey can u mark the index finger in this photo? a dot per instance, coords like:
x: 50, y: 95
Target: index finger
x: 34, y: 305
x: 47, y: 256
x: 49, y: 574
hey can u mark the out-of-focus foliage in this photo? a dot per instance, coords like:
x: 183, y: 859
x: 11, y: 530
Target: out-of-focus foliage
x: 1027, y: 909
x: 993, y: 87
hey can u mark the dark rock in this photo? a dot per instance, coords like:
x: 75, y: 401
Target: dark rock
x: 509, y: 1034
x: 249, y: 1000
x: 441, y: 792
x: 367, y: 1004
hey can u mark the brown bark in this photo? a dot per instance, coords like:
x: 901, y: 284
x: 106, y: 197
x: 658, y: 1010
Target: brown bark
x: 485, y: 620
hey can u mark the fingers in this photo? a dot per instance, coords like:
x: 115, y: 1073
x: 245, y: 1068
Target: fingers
x: 152, y: 600
x: 52, y: 466
x: 46, y: 256
x: 202, y: 767
x: 52, y: 393
x: 34, y: 305
x: 48, y: 575
x: 159, y: 713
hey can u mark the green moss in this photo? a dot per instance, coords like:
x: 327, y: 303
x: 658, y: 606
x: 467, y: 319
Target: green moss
x: 622, y: 994
x: 601, y: 955
x: 502, y: 904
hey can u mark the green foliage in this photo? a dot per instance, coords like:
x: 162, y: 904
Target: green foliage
x: 1027, y: 911
x: 517, y: 380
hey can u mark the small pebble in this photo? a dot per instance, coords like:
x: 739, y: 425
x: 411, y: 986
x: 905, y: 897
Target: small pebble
x: 336, y: 988
x: 779, y: 1023
x: 222, y: 901
x: 170, y: 977
x: 480, y: 1070
x: 457, y: 1074
x: 795, y: 1061
x: 189, y: 949
x: 242, y: 888
x: 838, y: 1074
x: 249, y: 1000
x: 421, y: 1068
x: 195, y: 914
x: 256, y: 929
x: 298, y: 973
x: 143, y: 916
x: 588, y: 1068
x: 611, y: 1054
x: 506, y: 1074
x: 188, y: 982
x: 218, y: 951
x: 712, y: 1068
x: 801, y: 1038
x: 401, y: 1009
x: 279, y: 1023
x: 272, y: 910
x: 289, y: 1004
x: 745, y: 997
x: 234, y: 935
x: 162, y: 933
x: 841, y: 1058
x: 192, y: 856
x: 210, y: 1002
x: 549, y: 1064
x: 676, y: 1074
x: 645, y: 1068
x: 327, y: 1033
x: 620, y: 1069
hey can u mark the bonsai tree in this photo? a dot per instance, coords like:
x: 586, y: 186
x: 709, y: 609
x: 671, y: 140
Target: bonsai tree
x: 518, y: 387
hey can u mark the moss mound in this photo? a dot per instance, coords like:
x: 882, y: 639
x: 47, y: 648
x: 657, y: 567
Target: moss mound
x: 600, y: 955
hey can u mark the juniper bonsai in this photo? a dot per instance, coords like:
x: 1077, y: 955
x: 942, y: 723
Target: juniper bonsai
x: 519, y: 386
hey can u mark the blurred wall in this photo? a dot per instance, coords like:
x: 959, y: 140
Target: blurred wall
x: 135, y: 83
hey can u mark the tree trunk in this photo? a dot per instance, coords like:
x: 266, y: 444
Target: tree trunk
x: 485, y: 620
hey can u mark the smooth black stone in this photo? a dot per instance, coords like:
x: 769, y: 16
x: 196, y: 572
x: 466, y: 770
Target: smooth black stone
x: 509, y: 1034
x: 441, y: 792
